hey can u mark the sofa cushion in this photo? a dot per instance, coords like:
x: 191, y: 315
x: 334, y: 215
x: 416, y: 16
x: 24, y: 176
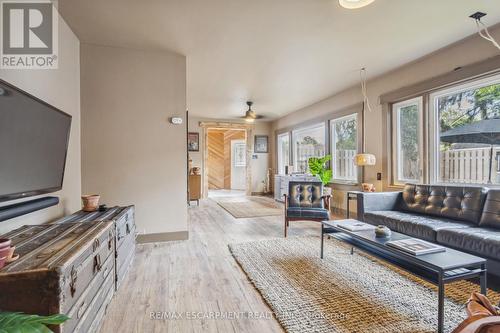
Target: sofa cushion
x: 415, y: 225
x: 491, y: 211
x: 316, y: 213
x: 484, y: 242
x: 455, y: 202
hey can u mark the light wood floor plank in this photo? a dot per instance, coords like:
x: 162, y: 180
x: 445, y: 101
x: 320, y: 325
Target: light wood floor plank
x: 197, y: 275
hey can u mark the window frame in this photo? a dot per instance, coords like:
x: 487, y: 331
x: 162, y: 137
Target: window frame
x: 278, y: 135
x: 395, y: 121
x: 302, y: 129
x: 434, y: 132
x: 333, y: 148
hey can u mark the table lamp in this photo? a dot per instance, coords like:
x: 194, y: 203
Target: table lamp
x: 363, y: 160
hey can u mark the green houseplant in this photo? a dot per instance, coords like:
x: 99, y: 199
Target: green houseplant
x: 16, y: 322
x: 318, y: 168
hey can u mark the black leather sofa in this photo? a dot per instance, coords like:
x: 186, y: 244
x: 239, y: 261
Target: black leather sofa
x: 460, y: 217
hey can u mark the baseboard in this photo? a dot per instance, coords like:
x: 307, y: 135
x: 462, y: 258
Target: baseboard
x: 162, y: 237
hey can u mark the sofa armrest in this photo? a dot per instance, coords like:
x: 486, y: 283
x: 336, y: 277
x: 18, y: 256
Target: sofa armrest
x: 371, y: 201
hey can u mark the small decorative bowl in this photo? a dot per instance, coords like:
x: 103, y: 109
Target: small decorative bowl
x: 90, y: 202
x: 382, y: 231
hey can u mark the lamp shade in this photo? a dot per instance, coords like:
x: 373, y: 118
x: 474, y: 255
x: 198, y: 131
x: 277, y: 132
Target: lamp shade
x: 364, y: 159
x: 354, y: 4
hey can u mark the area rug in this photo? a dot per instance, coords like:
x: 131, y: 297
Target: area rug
x: 245, y: 207
x: 343, y: 292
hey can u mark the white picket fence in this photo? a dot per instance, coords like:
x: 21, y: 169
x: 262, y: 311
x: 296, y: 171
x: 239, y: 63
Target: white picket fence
x: 344, y: 165
x: 304, y: 151
x: 471, y: 165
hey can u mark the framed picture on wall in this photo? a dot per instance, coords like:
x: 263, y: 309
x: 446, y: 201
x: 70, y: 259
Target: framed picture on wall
x: 193, y: 141
x: 261, y: 144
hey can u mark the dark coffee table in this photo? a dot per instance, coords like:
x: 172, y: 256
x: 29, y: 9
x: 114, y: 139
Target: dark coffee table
x: 438, y: 268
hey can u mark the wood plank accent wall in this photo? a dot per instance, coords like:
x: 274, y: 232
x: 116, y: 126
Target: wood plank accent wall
x: 219, y: 157
x: 215, y: 160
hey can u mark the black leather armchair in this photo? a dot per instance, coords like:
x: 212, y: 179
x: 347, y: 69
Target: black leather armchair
x: 305, y: 202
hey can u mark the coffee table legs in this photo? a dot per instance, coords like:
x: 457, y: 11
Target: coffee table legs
x: 441, y: 290
x: 440, y: 303
x: 322, y: 239
x: 483, y: 281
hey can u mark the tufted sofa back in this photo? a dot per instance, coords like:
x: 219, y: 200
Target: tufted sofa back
x: 455, y: 202
x: 491, y: 211
x: 305, y: 194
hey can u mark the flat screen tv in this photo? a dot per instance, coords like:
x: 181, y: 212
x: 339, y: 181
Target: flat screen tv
x: 34, y: 140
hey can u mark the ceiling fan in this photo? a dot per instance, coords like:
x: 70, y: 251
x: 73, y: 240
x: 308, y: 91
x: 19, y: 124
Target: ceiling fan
x: 250, y: 116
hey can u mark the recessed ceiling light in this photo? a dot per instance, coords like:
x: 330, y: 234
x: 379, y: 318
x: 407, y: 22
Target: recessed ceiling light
x: 353, y: 4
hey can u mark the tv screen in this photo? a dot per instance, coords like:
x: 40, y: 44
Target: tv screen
x: 33, y: 144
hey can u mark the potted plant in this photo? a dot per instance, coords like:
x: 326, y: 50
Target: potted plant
x: 15, y: 322
x: 317, y: 168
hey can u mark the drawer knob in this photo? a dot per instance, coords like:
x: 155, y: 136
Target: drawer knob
x: 96, y: 245
x: 72, y: 283
x: 110, y: 240
x: 81, y: 310
x: 97, y: 263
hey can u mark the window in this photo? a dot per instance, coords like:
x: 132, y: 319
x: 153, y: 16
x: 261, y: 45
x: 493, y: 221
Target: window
x: 344, y: 148
x: 465, y: 145
x: 283, y: 151
x: 239, y: 154
x: 407, y: 138
x: 307, y: 142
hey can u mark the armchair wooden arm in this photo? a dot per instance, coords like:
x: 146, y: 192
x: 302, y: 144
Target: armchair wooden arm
x: 326, y: 201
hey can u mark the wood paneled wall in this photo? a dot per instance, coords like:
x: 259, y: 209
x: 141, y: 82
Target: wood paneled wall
x: 219, y: 157
x: 215, y: 160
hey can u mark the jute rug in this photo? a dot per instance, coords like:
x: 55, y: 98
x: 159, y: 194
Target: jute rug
x: 344, y: 292
x: 244, y: 207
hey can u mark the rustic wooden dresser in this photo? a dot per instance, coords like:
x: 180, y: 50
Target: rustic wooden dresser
x: 72, y: 266
x: 63, y: 268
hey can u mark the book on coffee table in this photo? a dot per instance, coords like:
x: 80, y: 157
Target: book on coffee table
x: 416, y: 246
x: 352, y: 225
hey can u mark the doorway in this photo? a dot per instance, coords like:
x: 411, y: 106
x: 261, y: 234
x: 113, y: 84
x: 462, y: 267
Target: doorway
x: 226, y: 162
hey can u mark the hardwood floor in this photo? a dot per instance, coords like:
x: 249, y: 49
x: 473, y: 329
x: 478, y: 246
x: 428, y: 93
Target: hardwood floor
x: 197, y: 278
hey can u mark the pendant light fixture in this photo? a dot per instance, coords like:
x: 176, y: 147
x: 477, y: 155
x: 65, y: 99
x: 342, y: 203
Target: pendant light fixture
x: 354, y: 4
x: 365, y: 159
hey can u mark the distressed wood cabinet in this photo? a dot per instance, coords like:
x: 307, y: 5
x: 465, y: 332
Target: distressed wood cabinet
x: 63, y: 268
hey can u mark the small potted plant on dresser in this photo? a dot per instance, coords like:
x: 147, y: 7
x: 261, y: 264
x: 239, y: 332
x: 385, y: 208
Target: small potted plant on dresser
x: 318, y: 168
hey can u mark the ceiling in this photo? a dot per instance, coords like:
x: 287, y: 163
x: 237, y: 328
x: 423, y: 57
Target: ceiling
x: 281, y: 54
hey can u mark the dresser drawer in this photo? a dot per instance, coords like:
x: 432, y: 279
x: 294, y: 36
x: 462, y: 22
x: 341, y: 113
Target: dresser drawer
x: 124, y: 256
x: 125, y: 226
x: 88, y: 265
x: 82, y: 306
x: 92, y: 318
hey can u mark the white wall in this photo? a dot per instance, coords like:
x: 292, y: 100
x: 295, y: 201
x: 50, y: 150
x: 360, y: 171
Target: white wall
x: 60, y: 88
x: 131, y: 153
x: 259, y: 165
x: 465, y: 52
